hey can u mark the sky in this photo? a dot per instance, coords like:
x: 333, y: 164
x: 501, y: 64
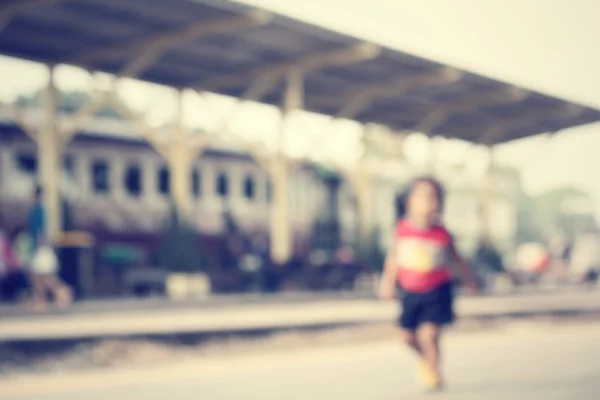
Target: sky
x: 549, y: 46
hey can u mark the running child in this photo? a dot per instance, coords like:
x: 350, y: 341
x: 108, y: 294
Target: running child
x: 419, y: 264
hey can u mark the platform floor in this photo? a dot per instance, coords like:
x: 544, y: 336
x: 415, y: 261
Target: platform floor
x: 190, y: 318
x: 527, y: 363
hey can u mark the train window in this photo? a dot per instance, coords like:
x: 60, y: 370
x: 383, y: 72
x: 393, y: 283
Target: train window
x: 27, y: 162
x: 164, y: 181
x: 249, y: 187
x: 101, y: 176
x: 222, y: 185
x: 133, y: 180
x: 196, y: 183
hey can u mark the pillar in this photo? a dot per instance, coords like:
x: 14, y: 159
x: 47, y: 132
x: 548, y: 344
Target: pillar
x: 180, y: 163
x: 280, y: 222
x: 281, y: 230
x: 49, y: 149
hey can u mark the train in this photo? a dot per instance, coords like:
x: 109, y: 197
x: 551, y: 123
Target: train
x: 118, y: 190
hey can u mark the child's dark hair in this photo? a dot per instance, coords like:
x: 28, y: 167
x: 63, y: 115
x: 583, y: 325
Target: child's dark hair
x: 402, y: 198
x: 401, y: 204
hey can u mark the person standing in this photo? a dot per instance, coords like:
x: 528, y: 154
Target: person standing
x: 43, y: 264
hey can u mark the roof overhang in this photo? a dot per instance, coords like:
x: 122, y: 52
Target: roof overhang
x: 240, y: 51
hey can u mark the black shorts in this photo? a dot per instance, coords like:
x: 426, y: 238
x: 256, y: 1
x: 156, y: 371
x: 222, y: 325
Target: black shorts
x: 418, y: 308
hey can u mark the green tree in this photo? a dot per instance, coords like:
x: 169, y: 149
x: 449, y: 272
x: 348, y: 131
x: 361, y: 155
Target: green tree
x: 69, y: 103
x: 180, y: 250
x: 374, y: 254
x: 529, y: 228
x: 551, y: 209
x: 540, y: 215
x: 327, y: 233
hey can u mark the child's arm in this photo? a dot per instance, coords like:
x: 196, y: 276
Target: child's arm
x: 387, y: 286
x: 464, y: 270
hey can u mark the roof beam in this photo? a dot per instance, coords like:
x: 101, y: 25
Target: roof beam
x: 9, y: 11
x: 496, y: 130
x: 261, y: 86
x: 20, y: 118
x: 84, y: 114
x: 139, y: 123
x: 154, y: 47
x: 361, y: 98
x: 349, y: 55
x: 441, y: 114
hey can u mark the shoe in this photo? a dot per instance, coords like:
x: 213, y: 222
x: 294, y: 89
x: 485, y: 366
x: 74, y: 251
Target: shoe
x: 428, y: 377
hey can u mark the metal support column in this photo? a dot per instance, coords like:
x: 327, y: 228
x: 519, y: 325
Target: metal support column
x: 180, y: 162
x: 281, y: 230
x: 279, y: 171
x: 49, y: 148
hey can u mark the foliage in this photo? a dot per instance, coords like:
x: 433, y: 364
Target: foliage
x: 324, y: 172
x: 509, y: 173
x: 375, y: 252
x: 180, y: 250
x: 326, y: 235
x: 381, y: 143
x: 539, y: 216
x: 69, y: 103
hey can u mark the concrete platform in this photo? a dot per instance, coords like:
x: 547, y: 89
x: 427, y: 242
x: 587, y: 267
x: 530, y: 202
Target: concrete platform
x: 162, y: 303
x: 179, y: 319
x: 521, y: 363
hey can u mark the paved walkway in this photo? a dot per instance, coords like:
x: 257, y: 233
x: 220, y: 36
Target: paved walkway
x: 522, y: 363
x: 132, y: 322
x: 164, y: 303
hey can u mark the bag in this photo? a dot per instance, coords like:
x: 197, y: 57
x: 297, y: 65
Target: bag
x: 44, y: 261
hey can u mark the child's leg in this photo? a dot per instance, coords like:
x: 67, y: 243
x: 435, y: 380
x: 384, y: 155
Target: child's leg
x: 409, y: 337
x: 428, y: 336
x: 408, y: 321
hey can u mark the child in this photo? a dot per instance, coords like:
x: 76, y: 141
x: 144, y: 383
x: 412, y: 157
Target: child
x: 419, y: 262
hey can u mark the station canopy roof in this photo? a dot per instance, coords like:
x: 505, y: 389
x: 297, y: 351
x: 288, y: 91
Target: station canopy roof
x: 236, y: 50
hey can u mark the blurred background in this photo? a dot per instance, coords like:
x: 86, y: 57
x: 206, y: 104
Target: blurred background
x: 208, y: 156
